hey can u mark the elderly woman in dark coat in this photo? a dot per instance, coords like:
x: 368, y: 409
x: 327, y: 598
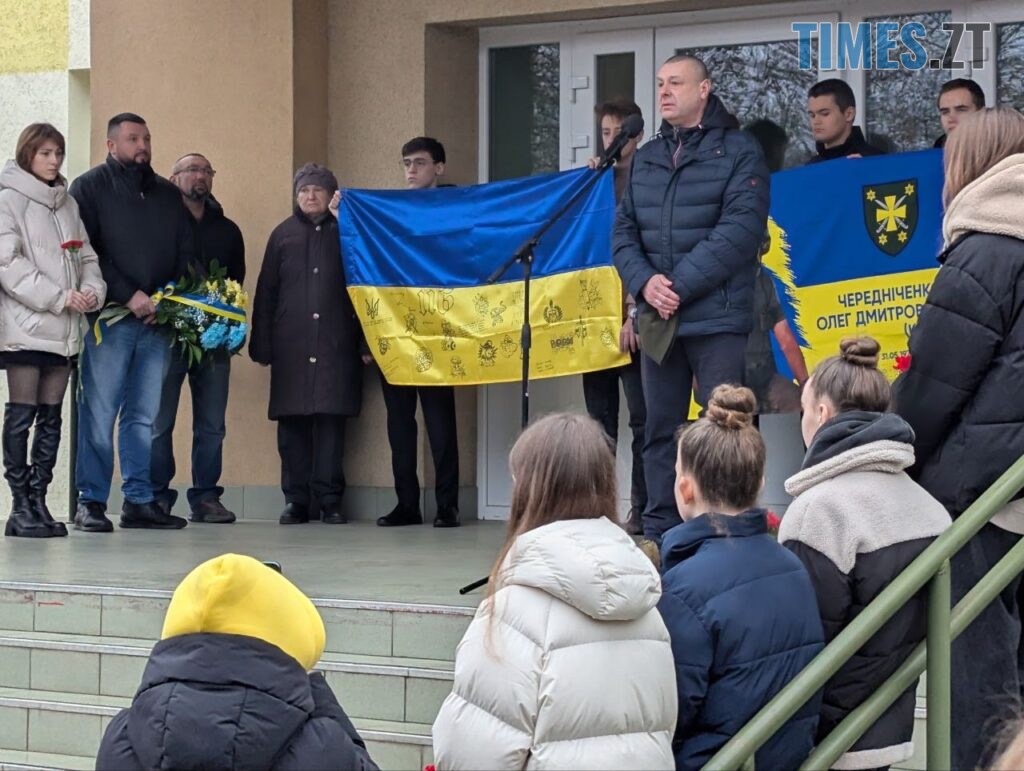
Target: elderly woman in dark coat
x: 304, y: 328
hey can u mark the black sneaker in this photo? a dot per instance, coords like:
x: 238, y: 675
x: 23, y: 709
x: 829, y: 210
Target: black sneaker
x: 90, y: 517
x: 399, y: 516
x: 212, y: 512
x: 294, y: 514
x: 447, y: 516
x: 149, y: 516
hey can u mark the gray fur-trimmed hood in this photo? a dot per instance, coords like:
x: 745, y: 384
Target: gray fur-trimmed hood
x: 886, y: 456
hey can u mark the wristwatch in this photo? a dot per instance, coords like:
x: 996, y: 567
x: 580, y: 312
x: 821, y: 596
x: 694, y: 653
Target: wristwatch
x: 631, y: 312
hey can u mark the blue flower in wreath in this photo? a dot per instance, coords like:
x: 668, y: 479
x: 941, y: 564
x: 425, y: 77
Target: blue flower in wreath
x: 214, y: 336
x: 236, y: 337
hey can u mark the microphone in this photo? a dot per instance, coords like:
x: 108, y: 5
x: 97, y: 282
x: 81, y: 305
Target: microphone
x: 631, y: 128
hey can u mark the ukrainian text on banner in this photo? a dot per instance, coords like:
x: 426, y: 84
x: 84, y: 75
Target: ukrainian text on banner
x: 416, y: 263
x: 853, y: 248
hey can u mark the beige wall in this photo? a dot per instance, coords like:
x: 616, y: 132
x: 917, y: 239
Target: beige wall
x: 261, y: 86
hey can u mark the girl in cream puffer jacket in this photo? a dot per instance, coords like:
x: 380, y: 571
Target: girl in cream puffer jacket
x: 50, y: 277
x: 567, y: 664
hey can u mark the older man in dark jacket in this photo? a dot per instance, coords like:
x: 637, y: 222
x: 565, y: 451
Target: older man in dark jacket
x: 304, y: 328
x: 686, y: 244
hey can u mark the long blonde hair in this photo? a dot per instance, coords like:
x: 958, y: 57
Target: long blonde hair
x: 980, y: 141
x: 562, y: 468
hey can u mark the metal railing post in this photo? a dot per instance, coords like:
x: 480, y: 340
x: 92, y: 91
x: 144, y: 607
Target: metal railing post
x: 939, y: 669
x: 73, y: 444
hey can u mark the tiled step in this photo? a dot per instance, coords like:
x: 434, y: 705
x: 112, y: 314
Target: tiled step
x: 14, y: 760
x: 70, y: 724
x: 383, y: 688
x: 406, y: 630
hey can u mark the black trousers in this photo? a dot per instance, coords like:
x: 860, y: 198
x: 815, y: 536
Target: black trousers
x: 601, y: 393
x: 712, y: 360
x: 311, y: 449
x: 438, y: 404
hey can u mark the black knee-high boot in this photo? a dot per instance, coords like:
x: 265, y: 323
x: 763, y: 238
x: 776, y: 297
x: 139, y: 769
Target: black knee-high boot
x: 22, y: 522
x: 45, y: 442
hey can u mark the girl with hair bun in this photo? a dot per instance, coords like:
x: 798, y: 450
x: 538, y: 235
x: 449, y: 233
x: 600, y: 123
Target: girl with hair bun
x: 739, y: 608
x: 856, y: 521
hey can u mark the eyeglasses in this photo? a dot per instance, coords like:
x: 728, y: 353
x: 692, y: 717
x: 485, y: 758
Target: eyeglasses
x: 198, y: 170
x: 419, y: 163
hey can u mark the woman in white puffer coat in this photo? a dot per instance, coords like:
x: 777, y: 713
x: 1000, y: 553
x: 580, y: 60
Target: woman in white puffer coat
x: 50, y: 278
x: 567, y: 664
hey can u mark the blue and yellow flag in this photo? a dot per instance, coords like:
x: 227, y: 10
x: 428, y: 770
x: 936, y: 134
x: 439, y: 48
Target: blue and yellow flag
x: 416, y: 262
x: 853, y: 250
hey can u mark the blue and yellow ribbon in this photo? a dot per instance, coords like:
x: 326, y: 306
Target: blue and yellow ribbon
x: 114, y: 312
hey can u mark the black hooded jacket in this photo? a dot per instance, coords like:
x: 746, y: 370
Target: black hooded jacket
x: 218, y: 238
x: 138, y: 226
x: 217, y: 701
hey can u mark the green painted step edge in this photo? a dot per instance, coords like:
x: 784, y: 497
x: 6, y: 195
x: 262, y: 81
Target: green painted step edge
x: 20, y: 760
x: 429, y: 669
x: 108, y: 706
x: 320, y: 602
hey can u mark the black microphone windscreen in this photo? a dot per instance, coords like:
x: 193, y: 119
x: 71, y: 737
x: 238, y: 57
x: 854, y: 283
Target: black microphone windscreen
x: 633, y: 125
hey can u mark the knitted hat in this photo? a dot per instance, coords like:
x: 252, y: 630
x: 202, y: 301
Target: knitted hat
x: 315, y: 174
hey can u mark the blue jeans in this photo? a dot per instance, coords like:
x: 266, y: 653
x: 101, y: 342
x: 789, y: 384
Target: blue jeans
x: 208, y: 382
x: 123, y: 376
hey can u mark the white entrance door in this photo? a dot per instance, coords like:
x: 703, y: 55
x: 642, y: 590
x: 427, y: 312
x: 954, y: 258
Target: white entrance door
x: 603, y: 66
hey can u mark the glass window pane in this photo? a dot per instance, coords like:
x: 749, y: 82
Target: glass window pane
x: 616, y: 76
x: 901, y: 112
x: 523, y: 110
x: 764, y: 82
x: 1010, y: 64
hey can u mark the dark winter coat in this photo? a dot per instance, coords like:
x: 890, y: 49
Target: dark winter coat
x: 303, y: 324
x: 964, y: 392
x: 855, y: 144
x: 857, y: 521
x: 218, y: 238
x: 220, y: 701
x: 137, y: 225
x: 700, y: 222
x: 743, y: 621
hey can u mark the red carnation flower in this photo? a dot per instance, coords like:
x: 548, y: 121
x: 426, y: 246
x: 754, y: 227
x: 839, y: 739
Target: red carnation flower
x: 72, y: 246
x: 902, y: 363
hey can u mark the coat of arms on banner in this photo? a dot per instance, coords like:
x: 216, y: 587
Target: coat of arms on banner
x: 890, y: 214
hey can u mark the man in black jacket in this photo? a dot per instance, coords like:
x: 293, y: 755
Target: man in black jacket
x: 958, y: 98
x: 686, y: 240
x: 137, y: 225
x: 832, y: 109
x: 216, y: 239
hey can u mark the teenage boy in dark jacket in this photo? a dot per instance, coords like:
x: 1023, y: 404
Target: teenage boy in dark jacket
x: 832, y: 109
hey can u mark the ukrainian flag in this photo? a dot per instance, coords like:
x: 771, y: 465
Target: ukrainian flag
x: 416, y: 262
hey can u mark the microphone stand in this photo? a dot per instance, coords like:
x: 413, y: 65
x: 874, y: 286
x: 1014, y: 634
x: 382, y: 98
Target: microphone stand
x: 524, y: 255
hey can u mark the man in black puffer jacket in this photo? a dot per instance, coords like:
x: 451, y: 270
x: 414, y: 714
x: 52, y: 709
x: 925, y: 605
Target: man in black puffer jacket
x: 686, y: 242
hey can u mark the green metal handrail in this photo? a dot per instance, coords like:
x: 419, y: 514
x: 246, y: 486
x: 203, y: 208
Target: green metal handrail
x: 930, y: 565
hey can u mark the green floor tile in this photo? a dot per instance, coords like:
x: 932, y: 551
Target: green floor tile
x: 428, y: 635
x: 16, y: 610
x: 391, y: 756
x: 14, y: 667
x: 74, y: 613
x: 121, y: 675
x: 141, y: 617
x: 379, y: 697
x: 13, y: 728
x: 357, y: 631
x: 65, y: 733
x: 65, y: 671
x: 423, y: 698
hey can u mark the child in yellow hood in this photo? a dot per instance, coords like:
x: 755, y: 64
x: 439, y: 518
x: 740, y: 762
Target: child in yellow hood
x: 227, y: 686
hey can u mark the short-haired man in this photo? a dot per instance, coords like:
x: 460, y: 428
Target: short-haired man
x: 601, y: 388
x: 957, y: 98
x: 832, y: 109
x: 686, y: 241
x: 216, y: 239
x: 139, y: 229
x: 423, y: 160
